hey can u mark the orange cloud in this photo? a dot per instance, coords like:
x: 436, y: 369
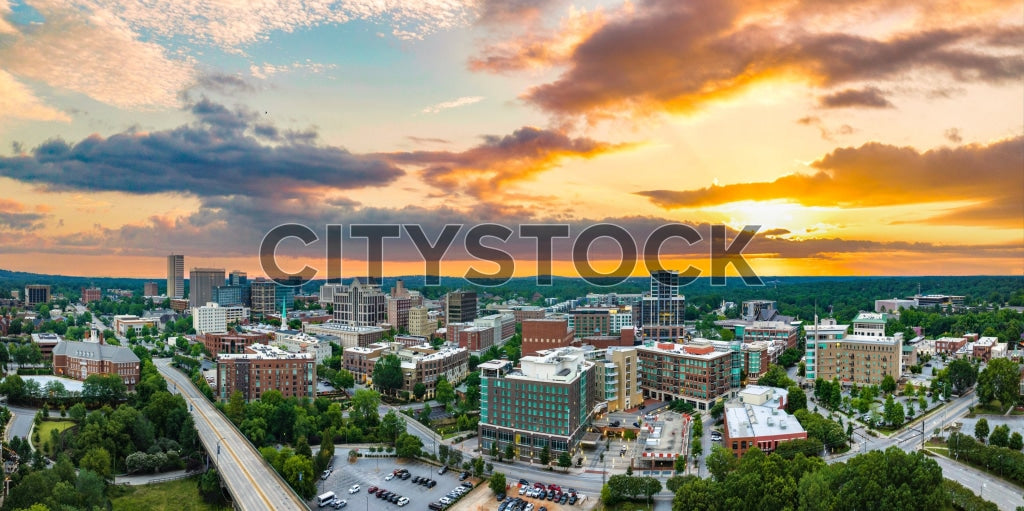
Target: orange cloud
x: 884, y: 175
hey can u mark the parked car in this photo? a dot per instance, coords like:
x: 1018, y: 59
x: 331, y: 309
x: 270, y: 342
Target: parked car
x: 615, y: 424
x: 524, y: 482
x: 467, y: 485
x: 405, y: 476
x: 464, y: 476
x: 373, y: 489
x: 442, y: 470
x: 354, y: 488
x: 416, y: 479
x: 636, y: 424
x: 432, y: 483
x: 403, y: 501
x: 338, y: 504
x: 389, y: 477
x: 326, y: 474
x: 500, y: 497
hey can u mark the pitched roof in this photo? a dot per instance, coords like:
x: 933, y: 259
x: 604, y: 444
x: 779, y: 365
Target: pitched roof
x: 95, y: 351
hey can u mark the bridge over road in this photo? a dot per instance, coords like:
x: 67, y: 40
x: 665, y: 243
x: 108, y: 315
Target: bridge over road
x: 253, y: 484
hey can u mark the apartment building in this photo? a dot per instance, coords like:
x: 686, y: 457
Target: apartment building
x: 760, y: 420
x: 420, y: 364
x: 549, y: 400
x: 210, y: 318
x: 261, y: 368
x: 78, y: 360
x: 859, y: 359
x: 263, y: 296
x: 821, y: 332
x: 420, y: 322
x: 770, y: 331
x: 301, y: 342
x: 150, y: 289
x: 91, y: 294
x: 697, y: 373
x: 620, y: 385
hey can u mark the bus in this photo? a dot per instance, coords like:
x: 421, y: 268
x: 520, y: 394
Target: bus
x: 325, y: 499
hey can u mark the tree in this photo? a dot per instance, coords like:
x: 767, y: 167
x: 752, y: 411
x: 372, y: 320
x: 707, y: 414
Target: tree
x: 721, y: 461
x: 510, y: 452
x: 775, y: 377
x: 545, y: 455
x: 387, y: 374
x: 981, y: 429
x: 236, y: 407
x: 999, y: 381
x: 680, y: 465
x: 344, y: 379
x: 796, y: 399
x: 888, y: 384
x: 801, y: 370
x: 364, y: 408
x: 478, y: 467
x: 565, y: 460
x: 963, y: 375
x: 1016, y: 442
x: 718, y: 409
x: 893, y: 412
x: 96, y: 459
x: 497, y: 483
x: 419, y: 390
x: 408, y: 446
x: 444, y: 393
x: 391, y: 426
x: 1000, y: 436
x: 298, y: 471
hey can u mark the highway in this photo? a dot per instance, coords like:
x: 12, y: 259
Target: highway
x: 253, y: 484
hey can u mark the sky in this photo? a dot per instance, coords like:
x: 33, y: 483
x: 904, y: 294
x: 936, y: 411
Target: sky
x: 873, y: 137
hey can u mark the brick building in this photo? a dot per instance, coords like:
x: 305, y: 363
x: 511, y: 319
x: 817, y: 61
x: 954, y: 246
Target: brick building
x: 262, y: 368
x: 696, y: 373
x: 546, y: 334
x: 760, y: 421
x: 231, y: 342
x: 420, y: 364
x: 78, y: 360
x: 91, y: 294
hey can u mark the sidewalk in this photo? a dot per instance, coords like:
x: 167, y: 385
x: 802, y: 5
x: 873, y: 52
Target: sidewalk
x: 137, y: 480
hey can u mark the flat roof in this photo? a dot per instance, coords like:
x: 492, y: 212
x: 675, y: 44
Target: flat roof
x: 758, y: 421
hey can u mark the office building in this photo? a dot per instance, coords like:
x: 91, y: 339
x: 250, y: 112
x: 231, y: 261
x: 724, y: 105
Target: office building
x: 91, y: 294
x: 232, y: 341
x: 549, y: 400
x: 546, y: 334
x: 600, y: 321
x: 360, y: 304
x: 238, y: 278
x: 697, y: 372
x: 620, y: 384
x: 46, y: 342
x: 263, y: 295
x: 262, y: 368
x: 36, y: 294
x: 420, y: 364
x: 953, y: 302
x: 770, y: 331
x: 125, y: 322
x: 524, y: 312
x: 346, y: 336
x: 460, y: 307
x: 301, y: 342
x: 201, y: 282
x: 759, y: 421
x: 503, y: 327
x: 893, y: 305
x: 78, y: 360
x: 210, y: 318
x: 420, y: 322
x: 228, y: 296
x: 660, y: 314
x: 175, y: 276
x: 150, y: 289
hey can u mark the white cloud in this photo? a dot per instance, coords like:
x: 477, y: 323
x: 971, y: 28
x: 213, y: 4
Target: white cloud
x: 17, y: 101
x: 455, y: 103
x: 96, y: 54
x: 267, y: 70
x: 233, y: 23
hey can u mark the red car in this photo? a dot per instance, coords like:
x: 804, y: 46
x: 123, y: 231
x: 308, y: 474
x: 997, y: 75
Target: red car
x: 555, y: 487
x: 373, y: 489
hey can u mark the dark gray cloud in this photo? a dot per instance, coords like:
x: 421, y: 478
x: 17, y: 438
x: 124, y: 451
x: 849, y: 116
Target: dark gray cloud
x: 224, y: 83
x: 20, y: 221
x: 869, y: 97
x: 215, y: 156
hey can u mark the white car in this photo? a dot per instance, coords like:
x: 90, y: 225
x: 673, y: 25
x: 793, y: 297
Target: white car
x: 403, y: 501
x: 389, y: 477
x: 522, y: 491
x: 445, y: 500
x: 354, y: 488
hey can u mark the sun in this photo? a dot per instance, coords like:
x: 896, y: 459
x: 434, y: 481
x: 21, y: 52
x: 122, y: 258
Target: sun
x: 776, y: 214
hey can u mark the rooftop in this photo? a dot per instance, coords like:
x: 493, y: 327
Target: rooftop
x: 95, y: 351
x: 870, y: 317
x: 748, y: 421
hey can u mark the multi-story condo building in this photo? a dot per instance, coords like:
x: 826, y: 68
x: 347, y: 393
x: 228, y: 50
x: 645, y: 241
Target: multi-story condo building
x: 825, y: 330
x: 549, y: 400
x: 262, y: 368
x: 420, y: 364
x: 620, y: 384
x: 503, y: 326
x: 759, y: 421
x: 460, y: 307
x: 661, y: 313
x: 175, y: 276
x: 201, y: 282
x: 91, y: 294
x: 863, y: 358
x: 420, y: 322
x: 125, y: 322
x: 600, y: 321
x: 546, y: 334
x: 232, y: 341
x: 263, y: 294
x: 771, y: 331
x: 301, y: 342
x: 210, y: 318
x: 360, y: 304
x: 345, y: 335
x: 696, y: 373
x: 36, y: 294
x: 78, y: 360
x: 150, y: 289
x: 870, y: 324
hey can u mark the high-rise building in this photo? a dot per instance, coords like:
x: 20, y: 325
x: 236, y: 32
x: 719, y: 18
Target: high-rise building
x: 36, y: 294
x: 150, y: 289
x: 210, y: 318
x: 264, y: 296
x: 360, y: 303
x: 548, y: 400
x: 420, y: 323
x: 91, y: 294
x: 865, y: 357
x: 238, y: 278
x: 662, y: 311
x: 227, y: 295
x: 621, y: 383
x: 825, y: 330
x: 201, y: 282
x: 175, y: 276
x: 460, y: 307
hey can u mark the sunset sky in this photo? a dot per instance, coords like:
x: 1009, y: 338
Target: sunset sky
x: 875, y: 137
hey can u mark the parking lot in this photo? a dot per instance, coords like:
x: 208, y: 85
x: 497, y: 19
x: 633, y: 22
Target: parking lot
x: 482, y: 499
x: 373, y: 472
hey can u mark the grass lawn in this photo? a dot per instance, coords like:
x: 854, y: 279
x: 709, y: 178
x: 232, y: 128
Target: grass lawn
x: 182, y: 495
x: 44, y: 430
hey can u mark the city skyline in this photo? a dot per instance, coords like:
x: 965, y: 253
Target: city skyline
x: 865, y: 138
